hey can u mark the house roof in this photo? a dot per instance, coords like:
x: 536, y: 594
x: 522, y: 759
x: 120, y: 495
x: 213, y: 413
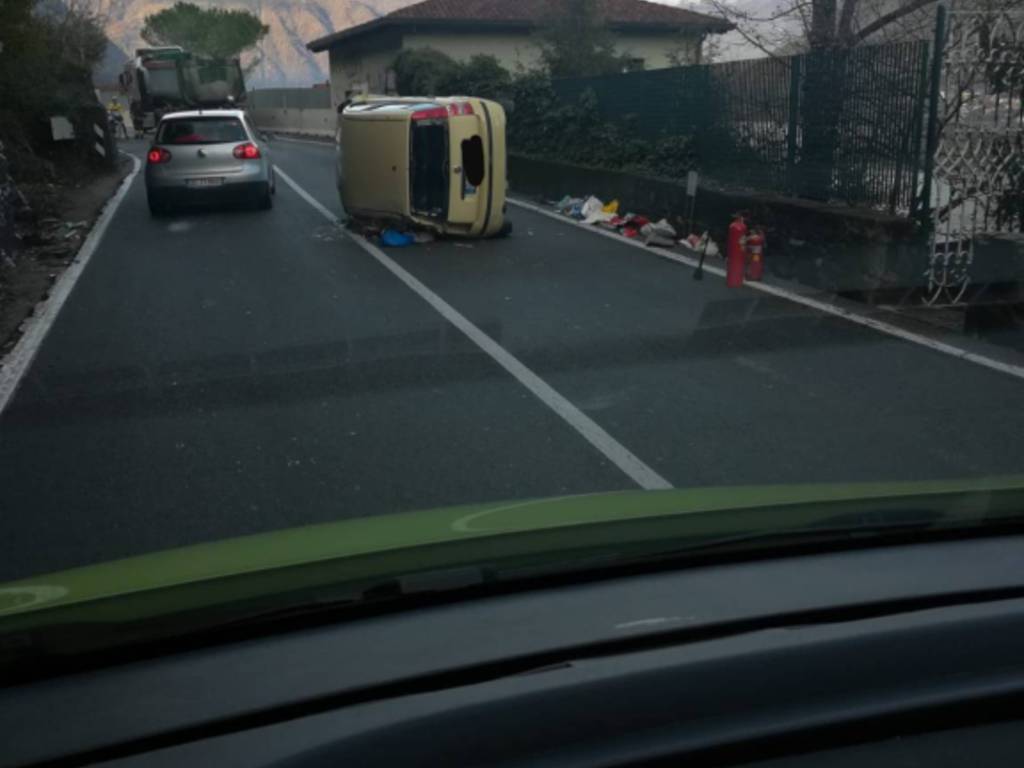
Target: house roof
x: 622, y: 15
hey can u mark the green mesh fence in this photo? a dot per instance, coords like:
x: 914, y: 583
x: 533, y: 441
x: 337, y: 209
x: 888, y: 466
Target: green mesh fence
x: 842, y: 126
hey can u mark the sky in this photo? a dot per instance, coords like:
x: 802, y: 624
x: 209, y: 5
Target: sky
x: 733, y: 45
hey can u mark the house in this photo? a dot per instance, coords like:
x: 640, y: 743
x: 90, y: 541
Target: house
x: 652, y: 35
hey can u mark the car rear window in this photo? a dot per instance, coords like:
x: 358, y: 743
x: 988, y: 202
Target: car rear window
x: 201, y: 130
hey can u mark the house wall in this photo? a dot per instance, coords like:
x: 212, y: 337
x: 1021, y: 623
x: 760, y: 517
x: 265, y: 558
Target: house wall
x: 510, y: 49
x: 363, y: 64
x: 360, y: 72
x: 522, y: 50
x: 656, y: 51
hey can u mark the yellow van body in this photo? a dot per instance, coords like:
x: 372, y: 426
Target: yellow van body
x: 437, y: 163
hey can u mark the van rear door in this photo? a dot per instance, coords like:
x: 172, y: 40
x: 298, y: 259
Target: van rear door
x: 468, y: 186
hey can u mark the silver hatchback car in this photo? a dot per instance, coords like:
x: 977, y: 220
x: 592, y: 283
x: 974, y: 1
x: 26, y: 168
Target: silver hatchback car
x: 208, y: 156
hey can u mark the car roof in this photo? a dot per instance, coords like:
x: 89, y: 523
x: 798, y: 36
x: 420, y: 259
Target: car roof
x: 205, y: 113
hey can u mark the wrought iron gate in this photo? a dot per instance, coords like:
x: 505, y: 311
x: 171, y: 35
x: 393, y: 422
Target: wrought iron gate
x: 978, y: 184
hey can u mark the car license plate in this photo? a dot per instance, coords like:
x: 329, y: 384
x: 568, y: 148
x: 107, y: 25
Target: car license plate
x: 212, y: 181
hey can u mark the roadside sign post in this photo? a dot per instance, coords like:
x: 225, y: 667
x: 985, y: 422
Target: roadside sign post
x: 691, y: 201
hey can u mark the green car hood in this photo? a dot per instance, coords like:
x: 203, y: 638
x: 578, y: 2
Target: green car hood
x: 316, y: 561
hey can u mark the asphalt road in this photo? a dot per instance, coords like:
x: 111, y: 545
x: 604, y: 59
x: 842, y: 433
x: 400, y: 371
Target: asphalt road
x: 229, y: 372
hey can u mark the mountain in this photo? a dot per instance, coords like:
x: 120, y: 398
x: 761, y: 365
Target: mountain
x: 292, y: 23
x: 110, y: 66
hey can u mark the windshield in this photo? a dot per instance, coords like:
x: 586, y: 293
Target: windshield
x: 623, y: 282
x: 201, y: 130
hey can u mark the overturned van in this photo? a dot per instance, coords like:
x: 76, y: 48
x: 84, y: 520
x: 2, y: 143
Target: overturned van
x: 438, y: 163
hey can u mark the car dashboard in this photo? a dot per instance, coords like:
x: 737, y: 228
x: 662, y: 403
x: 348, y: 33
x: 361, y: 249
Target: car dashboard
x: 908, y: 654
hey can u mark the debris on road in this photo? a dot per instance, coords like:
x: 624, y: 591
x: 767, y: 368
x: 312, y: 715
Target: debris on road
x: 702, y: 243
x: 633, y: 226
x: 659, y: 233
x: 392, y: 238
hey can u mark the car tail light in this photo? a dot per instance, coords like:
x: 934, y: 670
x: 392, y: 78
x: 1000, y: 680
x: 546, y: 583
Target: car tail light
x: 158, y: 155
x: 461, y: 108
x: 434, y: 113
x: 247, y: 151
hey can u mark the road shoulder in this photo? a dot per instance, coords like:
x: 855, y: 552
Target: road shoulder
x: 41, y: 285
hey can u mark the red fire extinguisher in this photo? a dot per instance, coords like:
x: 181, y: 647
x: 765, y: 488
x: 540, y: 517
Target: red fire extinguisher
x: 735, y: 256
x: 755, y: 254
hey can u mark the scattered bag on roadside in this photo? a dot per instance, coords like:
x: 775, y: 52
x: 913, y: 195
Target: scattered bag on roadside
x: 590, y: 207
x: 599, y: 217
x: 660, y: 233
x: 567, y: 203
x: 704, y: 244
x: 612, y: 207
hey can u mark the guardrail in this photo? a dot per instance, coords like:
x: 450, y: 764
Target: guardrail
x: 304, y: 122
x: 302, y: 111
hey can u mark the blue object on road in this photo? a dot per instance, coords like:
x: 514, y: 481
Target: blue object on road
x: 396, y: 239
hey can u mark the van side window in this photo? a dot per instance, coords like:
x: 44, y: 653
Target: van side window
x: 473, y: 160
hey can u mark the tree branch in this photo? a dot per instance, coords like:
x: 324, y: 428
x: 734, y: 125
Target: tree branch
x: 732, y: 15
x: 846, y: 19
x: 888, y: 18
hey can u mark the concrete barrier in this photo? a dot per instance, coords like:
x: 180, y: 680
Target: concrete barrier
x: 305, y: 122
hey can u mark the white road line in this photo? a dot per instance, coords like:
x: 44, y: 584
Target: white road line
x: 612, y: 449
x: 18, y: 360
x: 821, y: 306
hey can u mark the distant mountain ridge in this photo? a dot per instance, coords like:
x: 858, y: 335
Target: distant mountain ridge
x: 293, y: 23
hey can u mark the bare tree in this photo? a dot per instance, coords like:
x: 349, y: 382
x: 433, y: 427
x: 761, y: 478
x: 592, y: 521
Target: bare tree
x: 783, y: 27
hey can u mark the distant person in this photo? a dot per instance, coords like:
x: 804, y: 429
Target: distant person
x: 116, y: 114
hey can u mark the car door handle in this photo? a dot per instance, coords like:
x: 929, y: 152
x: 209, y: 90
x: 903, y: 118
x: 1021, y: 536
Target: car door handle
x: 457, y: 170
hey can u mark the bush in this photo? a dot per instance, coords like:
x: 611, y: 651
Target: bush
x: 539, y: 122
x: 481, y: 76
x: 45, y: 69
x: 542, y: 125
x: 424, y: 72
x: 429, y: 72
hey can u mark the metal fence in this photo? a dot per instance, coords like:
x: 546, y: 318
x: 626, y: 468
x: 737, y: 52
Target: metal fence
x: 289, y: 98
x: 844, y: 126
x: 978, y: 193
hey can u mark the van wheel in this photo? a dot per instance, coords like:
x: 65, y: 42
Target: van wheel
x: 505, y: 231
